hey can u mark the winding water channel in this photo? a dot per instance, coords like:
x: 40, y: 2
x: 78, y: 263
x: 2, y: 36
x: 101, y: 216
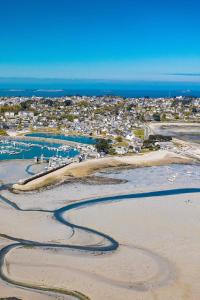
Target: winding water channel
x: 109, y: 244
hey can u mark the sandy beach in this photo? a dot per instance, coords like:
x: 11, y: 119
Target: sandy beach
x: 76, y: 170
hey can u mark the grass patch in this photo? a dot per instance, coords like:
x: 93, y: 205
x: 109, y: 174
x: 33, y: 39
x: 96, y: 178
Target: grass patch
x: 122, y: 144
x: 3, y: 132
x: 139, y: 133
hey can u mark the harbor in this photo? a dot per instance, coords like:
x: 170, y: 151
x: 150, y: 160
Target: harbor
x: 18, y: 149
x: 45, y: 149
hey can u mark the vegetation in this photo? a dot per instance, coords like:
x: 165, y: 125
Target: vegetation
x: 119, y: 139
x: 68, y: 102
x: 10, y: 108
x: 139, y: 133
x: 83, y: 103
x: 176, y: 117
x: 164, y: 117
x: 26, y: 105
x: 103, y: 145
x: 150, y: 146
x: 3, y: 132
x: 70, y: 118
x: 159, y: 138
x: 122, y: 144
x: 10, y: 298
x: 152, y: 141
x: 156, y: 117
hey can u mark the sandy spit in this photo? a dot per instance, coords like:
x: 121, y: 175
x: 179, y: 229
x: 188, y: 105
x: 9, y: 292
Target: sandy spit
x: 77, y: 170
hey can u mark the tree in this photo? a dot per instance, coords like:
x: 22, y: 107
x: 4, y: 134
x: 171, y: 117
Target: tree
x: 68, y: 102
x: 26, y: 105
x: 156, y: 117
x: 3, y: 132
x: 194, y: 110
x: 119, y: 139
x: 163, y: 118
x: 70, y: 118
x: 103, y: 145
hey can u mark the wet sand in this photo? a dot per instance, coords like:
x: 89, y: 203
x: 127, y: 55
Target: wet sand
x: 158, y: 255
x: 186, y: 131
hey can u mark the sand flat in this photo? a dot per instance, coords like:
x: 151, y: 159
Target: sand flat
x: 158, y: 257
x: 158, y: 254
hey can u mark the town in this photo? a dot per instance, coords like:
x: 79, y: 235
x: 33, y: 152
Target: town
x: 110, y: 117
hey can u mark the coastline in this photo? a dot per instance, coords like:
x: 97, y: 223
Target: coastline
x: 147, y: 225
x: 86, y: 168
x: 39, y: 139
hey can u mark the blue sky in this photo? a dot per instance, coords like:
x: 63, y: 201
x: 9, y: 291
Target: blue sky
x: 107, y: 39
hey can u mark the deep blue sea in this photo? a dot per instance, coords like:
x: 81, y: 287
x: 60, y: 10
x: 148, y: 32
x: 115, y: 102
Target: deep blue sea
x: 63, y: 87
x: 122, y: 93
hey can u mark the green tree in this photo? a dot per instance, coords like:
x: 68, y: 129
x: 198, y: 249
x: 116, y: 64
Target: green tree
x: 163, y: 118
x: 156, y: 117
x: 119, y: 139
x: 70, y: 118
x: 3, y: 132
x: 103, y: 145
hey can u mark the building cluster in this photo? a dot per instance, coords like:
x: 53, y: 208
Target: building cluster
x: 108, y: 116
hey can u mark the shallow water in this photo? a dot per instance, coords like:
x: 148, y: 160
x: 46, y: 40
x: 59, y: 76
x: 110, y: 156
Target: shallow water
x: 157, y: 175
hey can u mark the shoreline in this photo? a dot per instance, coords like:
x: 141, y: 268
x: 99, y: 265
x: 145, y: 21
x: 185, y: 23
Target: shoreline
x: 89, y: 167
x: 39, y: 139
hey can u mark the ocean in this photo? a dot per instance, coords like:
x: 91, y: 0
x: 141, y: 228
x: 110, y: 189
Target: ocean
x: 60, y: 87
x: 88, y: 92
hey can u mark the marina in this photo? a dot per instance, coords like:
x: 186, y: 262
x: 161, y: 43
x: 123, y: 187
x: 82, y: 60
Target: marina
x: 18, y: 149
x: 77, y: 139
